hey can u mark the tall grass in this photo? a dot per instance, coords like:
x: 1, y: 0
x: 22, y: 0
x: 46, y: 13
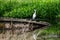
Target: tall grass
x: 46, y: 9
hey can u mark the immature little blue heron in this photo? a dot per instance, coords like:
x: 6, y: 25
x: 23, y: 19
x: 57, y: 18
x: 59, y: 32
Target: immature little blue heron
x: 34, y: 15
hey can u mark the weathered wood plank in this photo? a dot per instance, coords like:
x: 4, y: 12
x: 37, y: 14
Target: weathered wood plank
x: 23, y: 20
x: 22, y: 25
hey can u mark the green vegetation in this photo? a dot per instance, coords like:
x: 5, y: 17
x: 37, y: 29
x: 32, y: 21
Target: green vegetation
x: 46, y: 9
x: 49, y: 10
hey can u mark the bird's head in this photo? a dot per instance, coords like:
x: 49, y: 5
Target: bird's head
x: 34, y: 10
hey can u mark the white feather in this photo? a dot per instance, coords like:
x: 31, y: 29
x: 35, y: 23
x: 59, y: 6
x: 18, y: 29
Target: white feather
x: 34, y: 15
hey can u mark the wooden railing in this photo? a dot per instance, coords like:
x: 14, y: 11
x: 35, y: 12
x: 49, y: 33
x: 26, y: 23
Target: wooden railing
x: 21, y: 24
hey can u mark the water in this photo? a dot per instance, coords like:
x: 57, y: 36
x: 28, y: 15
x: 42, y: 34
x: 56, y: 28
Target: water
x: 8, y: 35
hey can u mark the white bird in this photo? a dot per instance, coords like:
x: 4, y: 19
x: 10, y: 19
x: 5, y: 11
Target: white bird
x: 34, y: 15
x: 34, y: 36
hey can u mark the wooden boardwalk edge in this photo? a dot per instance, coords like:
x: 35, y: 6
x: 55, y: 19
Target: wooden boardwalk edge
x: 23, y: 20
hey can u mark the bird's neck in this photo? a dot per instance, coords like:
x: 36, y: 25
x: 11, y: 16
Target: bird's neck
x: 35, y: 12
